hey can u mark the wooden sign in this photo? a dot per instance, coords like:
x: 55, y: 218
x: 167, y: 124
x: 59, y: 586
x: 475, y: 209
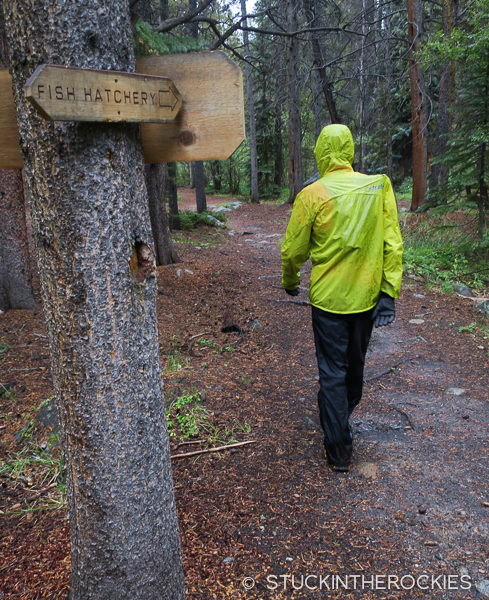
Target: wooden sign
x: 209, y: 125
x: 70, y: 94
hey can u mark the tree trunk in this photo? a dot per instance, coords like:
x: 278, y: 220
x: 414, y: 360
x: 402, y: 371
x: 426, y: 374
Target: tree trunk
x: 156, y: 183
x: 294, y: 121
x: 198, y: 179
x: 15, y: 259
x: 251, y: 111
x: 318, y: 106
x: 278, y: 148
x: 97, y: 272
x: 313, y: 15
x: 171, y: 196
x: 439, y: 172
x: 215, y: 167
x: 362, y: 92
x: 483, y: 197
x: 418, y: 104
x: 388, y: 87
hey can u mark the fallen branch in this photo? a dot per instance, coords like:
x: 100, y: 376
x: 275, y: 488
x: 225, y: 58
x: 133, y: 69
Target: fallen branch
x: 190, y: 442
x: 218, y: 449
x: 390, y: 369
x: 299, y: 302
x: 200, y: 335
x: 406, y: 416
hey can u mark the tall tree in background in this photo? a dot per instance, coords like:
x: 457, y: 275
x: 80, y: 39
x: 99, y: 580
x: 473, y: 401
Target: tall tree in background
x: 446, y: 92
x: 251, y: 109
x: 16, y: 264
x: 157, y: 185
x: 418, y: 104
x: 156, y: 174
x: 294, y: 118
x: 198, y: 177
x: 97, y: 272
x: 389, y: 113
x: 313, y: 15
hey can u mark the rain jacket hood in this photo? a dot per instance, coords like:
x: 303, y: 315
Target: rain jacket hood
x: 334, y: 149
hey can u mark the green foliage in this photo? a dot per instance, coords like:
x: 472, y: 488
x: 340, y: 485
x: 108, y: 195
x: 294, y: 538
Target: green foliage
x: 149, y: 42
x: 206, y: 343
x: 186, y: 416
x: 443, y: 254
x: 37, y: 465
x: 4, y: 348
x: 7, y: 392
x: 190, y: 219
x: 40, y: 467
x: 467, y: 156
x: 175, y: 360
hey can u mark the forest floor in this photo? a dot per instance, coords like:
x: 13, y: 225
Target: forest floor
x: 270, y: 516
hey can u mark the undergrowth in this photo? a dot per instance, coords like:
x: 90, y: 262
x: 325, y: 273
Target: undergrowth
x: 190, y: 219
x: 443, y: 250
x: 187, y: 418
x: 38, y: 467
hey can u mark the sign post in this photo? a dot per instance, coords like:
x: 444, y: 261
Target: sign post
x: 68, y: 94
x: 196, y: 111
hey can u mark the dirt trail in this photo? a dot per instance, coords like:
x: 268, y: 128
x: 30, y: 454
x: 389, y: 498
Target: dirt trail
x: 415, y: 502
x: 268, y: 515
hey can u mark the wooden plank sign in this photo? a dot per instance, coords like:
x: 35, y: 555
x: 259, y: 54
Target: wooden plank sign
x: 208, y: 126
x: 71, y: 94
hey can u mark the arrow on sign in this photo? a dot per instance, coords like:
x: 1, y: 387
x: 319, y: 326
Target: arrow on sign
x: 72, y: 94
x: 175, y: 99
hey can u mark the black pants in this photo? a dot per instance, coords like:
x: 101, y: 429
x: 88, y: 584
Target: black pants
x: 341, y: 345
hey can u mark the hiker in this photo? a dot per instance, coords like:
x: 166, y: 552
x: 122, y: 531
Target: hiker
x: 347, y: 223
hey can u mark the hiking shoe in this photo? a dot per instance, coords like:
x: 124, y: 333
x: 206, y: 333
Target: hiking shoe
x: 339, y: 467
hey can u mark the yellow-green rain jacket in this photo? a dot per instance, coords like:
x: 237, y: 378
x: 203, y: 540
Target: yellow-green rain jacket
x: 347, y: 223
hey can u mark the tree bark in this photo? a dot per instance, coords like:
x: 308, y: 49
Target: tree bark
x: 199, y: 181
x: 94, y: 247
x: 171, y: 195
x: 418, y: 104
x: 251, y: 110
x: 313, y: 14
x: 483, y: 197
x: 15, y: 259
x: 439, y: 172
x: 388, y: 94
x: 294, y: 121
x: 156, y: 184
x: 362, y: 92
x: 198, y: 167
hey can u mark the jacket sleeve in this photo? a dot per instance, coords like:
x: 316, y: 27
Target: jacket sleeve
x: 392, y: 270
x: 295, y: 249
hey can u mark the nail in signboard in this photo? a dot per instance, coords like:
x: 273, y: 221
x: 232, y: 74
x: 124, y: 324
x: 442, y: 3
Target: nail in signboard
x: 71, y: 94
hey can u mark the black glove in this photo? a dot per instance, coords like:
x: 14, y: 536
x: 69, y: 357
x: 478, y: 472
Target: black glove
x: 293, y: 292
x: 384, y: 311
